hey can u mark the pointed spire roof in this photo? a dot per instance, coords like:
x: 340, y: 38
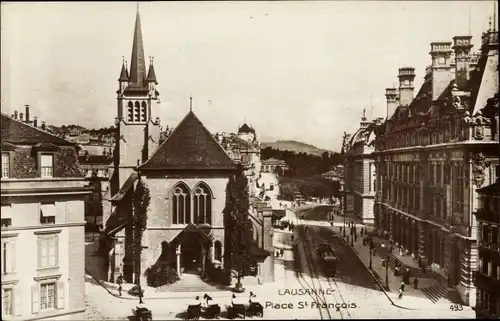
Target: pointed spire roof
x: 137, y: 62
x: 151, y: 72
x: 190, y: 146
x: 123, y: 73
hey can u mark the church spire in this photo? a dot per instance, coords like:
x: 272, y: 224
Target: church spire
x: 124, y: 72
x: 137, y: 62
x: 151, y: 72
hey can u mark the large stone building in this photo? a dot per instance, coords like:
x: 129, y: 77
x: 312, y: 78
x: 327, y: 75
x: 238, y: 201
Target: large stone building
x: 488, y: 271
x: 244, y: 148
x: 186, y: 175
x: 43, y: 253
x: 432, y: 154
x: 360, y: 172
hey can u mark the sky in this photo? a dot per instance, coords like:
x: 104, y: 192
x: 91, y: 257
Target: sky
x: 301, y: 70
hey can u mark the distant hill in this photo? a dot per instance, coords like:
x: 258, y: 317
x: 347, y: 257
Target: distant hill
x: 294, y: 146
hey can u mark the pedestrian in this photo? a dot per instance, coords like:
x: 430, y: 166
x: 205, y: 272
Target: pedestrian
x: 383, y: 262
x: 119, y: 280
x: 400, y: 295
x: 396, y: 270
x: 355, y: 237
x: 207, y: 299
x: 402, y: 286
x: 281, y: 252
x: 415, y: 283
x: 400, y: 251
x: 362, y: 230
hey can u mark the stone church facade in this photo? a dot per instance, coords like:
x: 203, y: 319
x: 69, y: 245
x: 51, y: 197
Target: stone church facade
x: 186, y: 176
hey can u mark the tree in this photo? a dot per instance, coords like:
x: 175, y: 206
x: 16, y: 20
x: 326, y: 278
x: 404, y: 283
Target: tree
x: 141, y: 201
x: 237, y: 243
x: 278, y: 171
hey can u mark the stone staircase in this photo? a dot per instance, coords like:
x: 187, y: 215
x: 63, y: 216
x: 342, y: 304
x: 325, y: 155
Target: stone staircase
x: 383, y: 252
x: 189, y: 283
x: 435, y: 293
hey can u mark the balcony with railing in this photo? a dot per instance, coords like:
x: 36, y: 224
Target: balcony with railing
x: 486, y: 215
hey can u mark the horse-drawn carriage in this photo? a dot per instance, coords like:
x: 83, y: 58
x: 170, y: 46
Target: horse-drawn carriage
x: 141, y: 313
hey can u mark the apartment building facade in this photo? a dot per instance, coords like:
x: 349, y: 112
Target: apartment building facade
x: 42, y: 232
x: 432, y: 154
x: 361, y: 172
x: 487, y: 278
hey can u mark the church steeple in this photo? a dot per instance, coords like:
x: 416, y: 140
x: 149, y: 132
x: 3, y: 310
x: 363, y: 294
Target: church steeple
x: 137, y: 62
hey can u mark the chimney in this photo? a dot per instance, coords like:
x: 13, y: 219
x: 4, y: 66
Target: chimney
x: 462, y: 46
x: 27, y: 113
x: 406, y: 77
x: 35, y: 122
x: 441, y: 67
x: 391, y: 95
x: 43, y: 125
x: 21, y: 116
x: 15, y: 114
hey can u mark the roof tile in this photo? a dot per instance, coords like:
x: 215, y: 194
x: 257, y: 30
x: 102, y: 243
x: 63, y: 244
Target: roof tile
x: 190, y: 146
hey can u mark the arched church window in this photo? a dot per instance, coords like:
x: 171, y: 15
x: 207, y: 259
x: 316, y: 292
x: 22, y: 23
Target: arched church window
x: 130, y: 111
x: 218, y: 251
x: 143, y: 111
x: 202, y: 205
x: 137, y: 110
x: 181, y: 205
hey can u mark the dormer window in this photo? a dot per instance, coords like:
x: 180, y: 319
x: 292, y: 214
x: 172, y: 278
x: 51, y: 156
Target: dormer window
x: 46, y: 165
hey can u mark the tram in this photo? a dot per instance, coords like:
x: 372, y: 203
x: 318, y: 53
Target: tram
x: 328, y: 258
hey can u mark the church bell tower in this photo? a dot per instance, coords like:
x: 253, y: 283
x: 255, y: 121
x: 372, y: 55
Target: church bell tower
x: 138, y: 127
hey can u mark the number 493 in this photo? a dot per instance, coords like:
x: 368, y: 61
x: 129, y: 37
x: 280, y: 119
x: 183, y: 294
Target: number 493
x: 456, y: 307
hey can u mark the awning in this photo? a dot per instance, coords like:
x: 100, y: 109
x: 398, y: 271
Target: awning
x: 124, y: 189
x: 48, y: 210
x: 6, y: 211
x: 490, y: 190
x: 279, y: 213
x: 258, y: 252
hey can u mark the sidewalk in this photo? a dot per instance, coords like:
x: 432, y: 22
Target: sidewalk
x: 422, y: 298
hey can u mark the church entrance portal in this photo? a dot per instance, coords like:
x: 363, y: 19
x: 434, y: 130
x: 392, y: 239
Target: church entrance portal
x: 191, y: 255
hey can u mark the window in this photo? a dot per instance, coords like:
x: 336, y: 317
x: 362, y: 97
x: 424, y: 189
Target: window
x: 5, y: 165
x: 202, y: 205
x: 137, y: 108
x: 48, y: 296
x: 47, y: 213
x: 143, y: 111
x: 6, y: 215
x: 7, y: 300
x: 130, y: 111
x: 181, y: 205
x: 218, y: 251
x: 8, y: 256
x: 48, y: 251
x: 46, y: 165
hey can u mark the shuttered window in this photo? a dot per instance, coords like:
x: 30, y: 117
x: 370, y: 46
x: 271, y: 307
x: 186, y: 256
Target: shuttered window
x: 8, y: 257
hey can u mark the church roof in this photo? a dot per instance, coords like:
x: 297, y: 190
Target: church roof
x: 245, y: 129
x: 189, y: 146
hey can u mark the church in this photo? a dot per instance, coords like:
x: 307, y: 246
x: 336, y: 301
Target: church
x: 186, y: 175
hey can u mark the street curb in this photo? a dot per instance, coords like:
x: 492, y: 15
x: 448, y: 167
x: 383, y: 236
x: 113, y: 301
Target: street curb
x: 373, y: 276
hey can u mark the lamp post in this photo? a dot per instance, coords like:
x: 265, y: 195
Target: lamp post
x: 387, y: 268
x: 370, y: 247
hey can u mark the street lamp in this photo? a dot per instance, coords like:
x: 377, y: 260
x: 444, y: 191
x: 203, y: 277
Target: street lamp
x: 370, y: 247
x: 387, y: 268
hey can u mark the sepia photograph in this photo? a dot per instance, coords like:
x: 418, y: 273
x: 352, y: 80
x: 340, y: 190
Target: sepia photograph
x: 263, y: 160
